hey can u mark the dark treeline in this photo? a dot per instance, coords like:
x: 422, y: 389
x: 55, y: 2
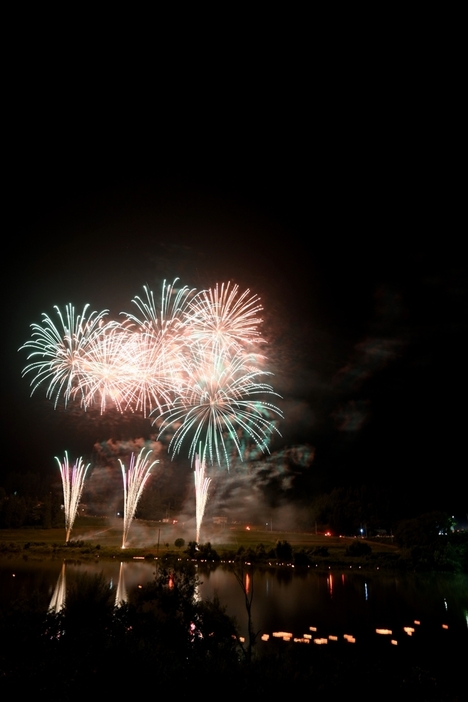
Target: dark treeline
x: 421, y: 547
x: 349, y: 510
x: 32, y: 499
x: 29, y: 500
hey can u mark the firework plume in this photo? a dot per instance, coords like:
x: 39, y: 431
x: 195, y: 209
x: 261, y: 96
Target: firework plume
x: 202, y: 483
x: 72, y: 481
x: 134, y: 480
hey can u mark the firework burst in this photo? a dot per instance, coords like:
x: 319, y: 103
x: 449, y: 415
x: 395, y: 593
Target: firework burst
x: 58, y: 350
x: 222, y: 317
x: 220, y: 396
x: 191, y: 362
x: 167, y: 318
x: 104, y: 380
x: 151, y: 356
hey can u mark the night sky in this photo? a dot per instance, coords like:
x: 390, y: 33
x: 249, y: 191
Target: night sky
x: 345, y: 221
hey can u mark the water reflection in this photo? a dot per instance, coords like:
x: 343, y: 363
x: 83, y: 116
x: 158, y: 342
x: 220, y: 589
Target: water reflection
x: 121, y: 595
x: 332, y: 606
x: 58, y: 598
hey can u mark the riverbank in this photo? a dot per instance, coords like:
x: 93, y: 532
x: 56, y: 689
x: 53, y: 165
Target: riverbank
x: 101, y: 538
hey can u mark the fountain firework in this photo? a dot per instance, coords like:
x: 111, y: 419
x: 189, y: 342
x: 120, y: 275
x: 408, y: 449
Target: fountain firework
x: 72, y: 481
x: 202, y: 484
x: 133, y: 483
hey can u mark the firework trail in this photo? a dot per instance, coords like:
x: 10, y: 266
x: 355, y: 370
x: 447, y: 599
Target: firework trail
x: 72, y: 481
x: 58, y: 350
x: 220, y: 395
x: 133, y: 483
x: 202, y: 484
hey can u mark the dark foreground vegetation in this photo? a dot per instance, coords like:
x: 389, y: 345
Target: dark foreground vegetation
x: 164, y: 639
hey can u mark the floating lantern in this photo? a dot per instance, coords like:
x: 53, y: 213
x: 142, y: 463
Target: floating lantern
x: 349, y: 638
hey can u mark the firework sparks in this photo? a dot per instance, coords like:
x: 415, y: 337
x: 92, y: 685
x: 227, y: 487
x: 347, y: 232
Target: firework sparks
x: 150, y: 367
x: 134, y: 481
x: 189, y: 362
x: 223, y: 317
x: 202, y: 483
x: 140, y: 365
x: 104, y: 378
x: 72, y: 481
x: 130, y: 365
x: 220, y: 396
x: 60, y: 348
x: 166, y: 320
x: 154, y: 350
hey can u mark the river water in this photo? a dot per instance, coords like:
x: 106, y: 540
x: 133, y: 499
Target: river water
x: 316, y: 604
